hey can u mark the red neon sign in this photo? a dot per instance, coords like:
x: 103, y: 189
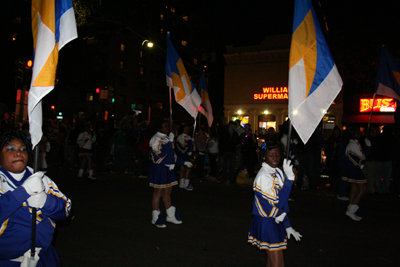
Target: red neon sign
x: 273, y: 93
x: 380, y: 105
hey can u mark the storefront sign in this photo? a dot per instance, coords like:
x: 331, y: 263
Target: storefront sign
x: 380, y: 105
x: 273, y: 93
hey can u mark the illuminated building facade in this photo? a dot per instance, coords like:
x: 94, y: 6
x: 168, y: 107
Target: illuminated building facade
x: 256, y: 85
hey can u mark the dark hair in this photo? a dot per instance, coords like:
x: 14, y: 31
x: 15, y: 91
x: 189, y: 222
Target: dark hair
x: 182, y: 127
x: 232, y: 123
x: 274, y: 144
x: 7, y: 135
x: 159, y: 123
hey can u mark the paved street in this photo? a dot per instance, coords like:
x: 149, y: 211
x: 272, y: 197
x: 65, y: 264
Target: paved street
x: 112, y: 227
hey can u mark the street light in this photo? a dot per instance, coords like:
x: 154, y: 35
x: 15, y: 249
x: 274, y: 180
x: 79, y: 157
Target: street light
x: 149, y: 43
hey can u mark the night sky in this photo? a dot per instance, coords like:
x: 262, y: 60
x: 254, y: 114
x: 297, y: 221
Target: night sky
x: 356, y: 28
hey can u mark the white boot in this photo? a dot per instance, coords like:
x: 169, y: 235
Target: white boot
x: 188, y: 186
x: 356, y: 207
x: 173, y: 216
x: 91, y: 175
x: 157, y: 219
x: 351, y: 209
x: 182, y: 183
x: 80, y: 173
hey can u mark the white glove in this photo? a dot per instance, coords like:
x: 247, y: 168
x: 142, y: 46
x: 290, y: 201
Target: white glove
x: 362, y: 167
x: 34, y: 184
x: 188, y: 164
x: 170, y: 166
x: 291, y: 231
x: 367, y: 142
x: 189, y: 154
x: 288, y: 169
x: 38, y: 200
x: 280, y: 217
x: 171, y: 137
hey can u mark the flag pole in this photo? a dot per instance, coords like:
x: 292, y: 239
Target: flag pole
x: 288, y: 140
x: 370, y: 116
x: 34, y: 211
x: 195, y: 123
x: 170, y: 108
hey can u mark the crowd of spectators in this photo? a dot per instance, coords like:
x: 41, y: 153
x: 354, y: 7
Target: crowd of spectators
x: 219, y: 153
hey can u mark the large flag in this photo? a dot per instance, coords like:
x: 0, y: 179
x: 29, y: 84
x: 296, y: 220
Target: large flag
x: 388, y: 81
x: 53, y: 26
x: 205, y: 106
x: 314, y: 81
x: 177, y: 78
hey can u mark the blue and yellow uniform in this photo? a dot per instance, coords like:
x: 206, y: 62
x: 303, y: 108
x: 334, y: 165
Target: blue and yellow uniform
x: 271, y: 193
x: 184, y: 146
x: 354, y: 162
x: 162, y: 155
x: 15, y: 220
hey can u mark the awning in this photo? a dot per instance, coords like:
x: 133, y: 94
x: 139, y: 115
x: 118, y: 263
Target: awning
x: 365, y: 118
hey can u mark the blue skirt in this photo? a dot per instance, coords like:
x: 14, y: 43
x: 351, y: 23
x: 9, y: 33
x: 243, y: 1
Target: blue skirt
x: 161, y: 177
x: 266, y: 234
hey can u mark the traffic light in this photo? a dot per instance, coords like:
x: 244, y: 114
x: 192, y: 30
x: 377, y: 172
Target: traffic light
x: 97, y: 90
x: 28, y: 64
x: 112, y: 100
x: 53, y: 107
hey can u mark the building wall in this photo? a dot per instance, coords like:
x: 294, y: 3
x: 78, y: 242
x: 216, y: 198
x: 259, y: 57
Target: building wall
x: 250, y: 69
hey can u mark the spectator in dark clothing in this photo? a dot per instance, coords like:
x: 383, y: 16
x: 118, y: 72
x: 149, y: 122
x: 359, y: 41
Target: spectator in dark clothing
x: 229, y: 139
x: 131, y: 149
x: 249, y: 150
x: 331, y: 151
x: 143, y: 149
x: 396, y: 168
x: 71, y: 147
x: 384, y: 150
x: 309, y: 160
x: 103, y: 147
x: 222, y: 127
x: 200, y: 142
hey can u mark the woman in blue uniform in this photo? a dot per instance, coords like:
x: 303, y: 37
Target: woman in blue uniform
x: 20, y: 191
x: 352, y: 173
x: 162, y: 175
x: 184, y: 148
x: 270, y: 226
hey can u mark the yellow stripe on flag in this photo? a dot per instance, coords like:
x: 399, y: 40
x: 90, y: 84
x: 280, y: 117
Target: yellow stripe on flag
x: 181, y: 94
x: 304, y: 41
x: 47, y: 75
x: 396, y: 76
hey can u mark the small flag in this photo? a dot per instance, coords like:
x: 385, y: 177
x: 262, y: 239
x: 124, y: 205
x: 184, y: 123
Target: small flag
x: 179, y: 80
x: 53, y: 26
x: 205, y: 107
x: 314, y: 80
x: 388, y: 81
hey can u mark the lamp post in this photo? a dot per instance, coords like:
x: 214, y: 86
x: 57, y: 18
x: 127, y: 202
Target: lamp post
x: 149, y: 45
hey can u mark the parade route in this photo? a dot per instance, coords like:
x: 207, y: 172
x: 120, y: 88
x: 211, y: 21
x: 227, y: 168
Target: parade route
x: 111, y: 227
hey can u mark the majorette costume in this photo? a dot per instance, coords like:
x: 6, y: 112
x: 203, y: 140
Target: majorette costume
x: 162, y: 154
x: 271, y: 193
x: 15, y: 220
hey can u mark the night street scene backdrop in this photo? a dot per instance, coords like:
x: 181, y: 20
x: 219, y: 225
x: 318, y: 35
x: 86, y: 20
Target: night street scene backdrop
x: 111, y: 224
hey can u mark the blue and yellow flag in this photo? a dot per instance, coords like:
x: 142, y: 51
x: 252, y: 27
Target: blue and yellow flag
x: 53, y: 26
x: 388, y: 81
x: 205, y: 106
x: 314, y: 81
x: 177, y: 78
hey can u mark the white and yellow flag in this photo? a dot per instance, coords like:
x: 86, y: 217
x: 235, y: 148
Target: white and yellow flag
x: 53, y: 26
x: 314, y: 80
